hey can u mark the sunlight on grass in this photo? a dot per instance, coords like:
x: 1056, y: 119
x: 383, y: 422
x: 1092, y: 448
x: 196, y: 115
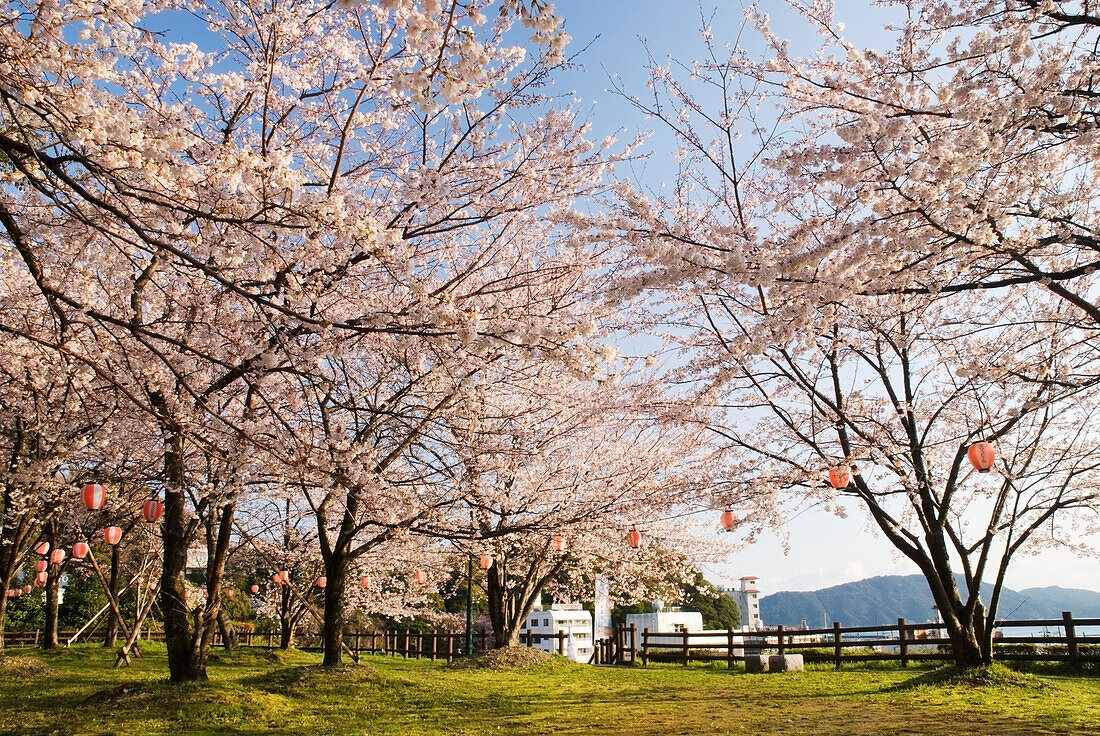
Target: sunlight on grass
x: 257, y: 692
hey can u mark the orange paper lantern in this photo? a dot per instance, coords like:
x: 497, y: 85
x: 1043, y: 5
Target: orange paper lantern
x: 839, y: 476
x: 729, y: 520
x: 321, y: 581
x: 42, y: 548
x: 80, y: 550
x: 634, y: 538
x: 57, y: 556
x: 981, y: 456
x: 151, y: 510
x: 93, y: 496
x: 112, y: 535
x: 558, y: 543
x: 485, y: 561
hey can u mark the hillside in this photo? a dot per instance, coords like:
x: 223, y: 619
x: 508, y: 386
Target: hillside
x: 887, y: 598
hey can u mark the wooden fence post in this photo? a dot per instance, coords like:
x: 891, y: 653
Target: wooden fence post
x: 779, y: 636
x: 645, y: 647
x: 633, y: 642
x: 729, y: 647
x: 686, y: 648
x: 838, y: 649
x: 1071, y: 639
x: 903, y: 645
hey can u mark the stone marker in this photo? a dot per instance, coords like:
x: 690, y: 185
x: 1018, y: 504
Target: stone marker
x: 785, y: 663
x: 756, y: 663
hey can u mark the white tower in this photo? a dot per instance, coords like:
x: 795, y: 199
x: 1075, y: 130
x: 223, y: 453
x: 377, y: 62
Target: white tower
x: 748, y: 603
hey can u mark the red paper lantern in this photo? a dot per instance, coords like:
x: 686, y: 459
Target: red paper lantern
x: 151, y: 510
x: 255, y: 588
x: 26, y: 589
x: 112, y: 535
x: 42, y: 548
x: 729, y: 520
x: 93, y: 496
x: 634, y: 538
x: 57, y: 556
x: 152, y: 585
x: 11, y: 593
x: 839, y: 477
x: 321, y: 581
x: 229, y: 592
x: 981, y: 456
x: 40, y: 579
x: 485, y: 561
x: 40, y: 565
x: 365, y: 581
x: 558, y: 543
x: 80, y: 550
x: 421, y: 577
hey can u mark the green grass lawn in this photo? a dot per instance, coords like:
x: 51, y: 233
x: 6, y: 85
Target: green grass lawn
x: 77, y: 691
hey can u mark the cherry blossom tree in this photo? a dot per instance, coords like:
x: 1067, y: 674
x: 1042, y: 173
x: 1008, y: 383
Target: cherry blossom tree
x: 554, y: 470
x: 864, y: 256
x: 202, y: 214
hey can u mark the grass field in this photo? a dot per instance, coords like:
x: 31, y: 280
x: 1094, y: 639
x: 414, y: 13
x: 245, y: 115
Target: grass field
x: 77, y: 691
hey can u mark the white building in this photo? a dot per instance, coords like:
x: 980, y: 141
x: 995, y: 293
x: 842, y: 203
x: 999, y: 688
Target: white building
x: 748, y: 603
x: 546, y: 624
x: 667, y: 621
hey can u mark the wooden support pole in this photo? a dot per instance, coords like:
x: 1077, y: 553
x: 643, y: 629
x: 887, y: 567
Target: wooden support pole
x: 1071, y: 639
x: 903, y: 645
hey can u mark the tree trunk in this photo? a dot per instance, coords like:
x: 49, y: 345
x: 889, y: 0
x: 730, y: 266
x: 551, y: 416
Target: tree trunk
x: 501, y: 614
x: 49, y: 634
x: 286, y: 619
x: 229, y: 634
x: 186, y: 660
x: 111, y: 636
x: 3, y: 611
x: 333, y: 627
x: 965, y: 625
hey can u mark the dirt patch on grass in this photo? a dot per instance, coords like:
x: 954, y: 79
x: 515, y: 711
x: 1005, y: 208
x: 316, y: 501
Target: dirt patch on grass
x: 119, y: 692
x: 507, y: 658
x: 24, y: 667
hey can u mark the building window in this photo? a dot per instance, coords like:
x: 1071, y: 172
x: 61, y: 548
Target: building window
x: 546, y: 622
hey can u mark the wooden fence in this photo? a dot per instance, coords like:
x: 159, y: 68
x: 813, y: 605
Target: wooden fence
x: 404, y: 643
x: 903, y: 641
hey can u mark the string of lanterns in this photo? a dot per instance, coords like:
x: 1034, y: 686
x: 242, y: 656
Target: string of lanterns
x: 980, y: 454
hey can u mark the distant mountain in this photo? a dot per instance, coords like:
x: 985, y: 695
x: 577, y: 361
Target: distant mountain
x: 887, y: 598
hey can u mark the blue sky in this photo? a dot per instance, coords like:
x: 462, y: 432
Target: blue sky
x: 823, y: 550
